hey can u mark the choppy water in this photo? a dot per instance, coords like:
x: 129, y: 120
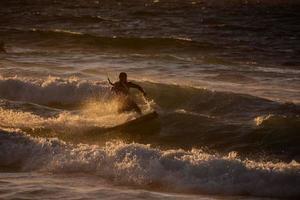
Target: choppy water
x: 223, y: 76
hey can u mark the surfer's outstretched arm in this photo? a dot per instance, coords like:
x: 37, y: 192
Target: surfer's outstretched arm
x: 137, y: 87
x: 109, y: 81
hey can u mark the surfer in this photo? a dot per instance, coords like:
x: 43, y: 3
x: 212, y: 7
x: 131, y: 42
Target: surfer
x: 121, y: 89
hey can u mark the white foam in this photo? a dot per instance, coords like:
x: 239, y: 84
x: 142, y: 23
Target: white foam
x: 52, y: 90
x: 273, y: 120
x: 93, y: 114
x: 136, y: 164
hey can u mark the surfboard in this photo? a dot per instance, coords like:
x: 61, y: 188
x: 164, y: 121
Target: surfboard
x: 131, y: 125
x: 139, y: 120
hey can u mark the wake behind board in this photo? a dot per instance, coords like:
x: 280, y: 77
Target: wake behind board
x: 138, y: 124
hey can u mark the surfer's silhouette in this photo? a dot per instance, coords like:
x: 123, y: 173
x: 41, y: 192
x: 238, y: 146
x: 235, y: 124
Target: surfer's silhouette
x: 121, y: 89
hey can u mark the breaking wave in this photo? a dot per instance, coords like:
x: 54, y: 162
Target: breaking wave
x: 55, y: 90
x: 50, y: 91
x: 188, y: 117
x: 140, y: 165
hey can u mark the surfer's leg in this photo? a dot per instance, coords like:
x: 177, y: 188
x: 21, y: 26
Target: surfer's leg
x: 128, y: 105
x: 136, y: 108
x: 132, y: 106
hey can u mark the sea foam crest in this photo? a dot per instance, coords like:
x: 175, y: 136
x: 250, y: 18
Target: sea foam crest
x: 51, y: 90
x: 144, y: 166
x: 94, y: 114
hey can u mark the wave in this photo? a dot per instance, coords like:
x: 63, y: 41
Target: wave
x: 74, y: 92
x: 140, y: 165
x: 231, y: 77
x: 63, y: 92
x: 277, y: 120
x: 66, y: 38
x: 189, y: 117
x: 279, y: 131
x: 42, y: 120
x: 52, y: 91
x: 79, y: 18
x: 215, y: 103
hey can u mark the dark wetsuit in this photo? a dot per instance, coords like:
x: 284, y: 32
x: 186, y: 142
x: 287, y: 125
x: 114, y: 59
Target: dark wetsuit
x: 122, y: 90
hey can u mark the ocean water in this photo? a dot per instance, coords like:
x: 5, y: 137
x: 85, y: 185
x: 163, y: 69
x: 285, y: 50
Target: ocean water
x: 224, y: 77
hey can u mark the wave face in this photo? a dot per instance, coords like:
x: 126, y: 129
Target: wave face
x: 141, y: 165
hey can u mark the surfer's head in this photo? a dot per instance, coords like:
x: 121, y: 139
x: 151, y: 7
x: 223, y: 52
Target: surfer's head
x: 123, y: 77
